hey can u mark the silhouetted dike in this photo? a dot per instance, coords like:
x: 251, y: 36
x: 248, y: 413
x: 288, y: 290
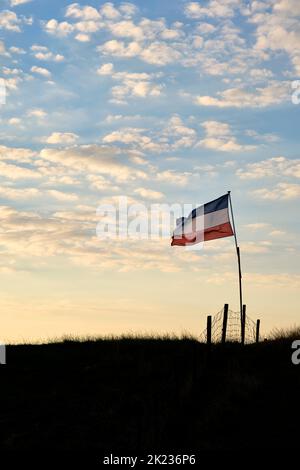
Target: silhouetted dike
x: 137, y: 396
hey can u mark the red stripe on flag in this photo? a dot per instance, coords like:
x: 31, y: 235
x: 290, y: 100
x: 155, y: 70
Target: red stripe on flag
x: 212, y: 233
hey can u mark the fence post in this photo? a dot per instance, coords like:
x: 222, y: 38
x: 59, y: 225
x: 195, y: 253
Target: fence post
x: 225, y: 318
x: 208, y: 330
x: 243, y: 325
x: 257, y: 330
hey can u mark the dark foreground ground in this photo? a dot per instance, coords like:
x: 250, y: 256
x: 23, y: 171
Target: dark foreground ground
x: 139, y: 396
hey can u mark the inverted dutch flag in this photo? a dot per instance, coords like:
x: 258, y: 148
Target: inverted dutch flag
x: 204, y: 223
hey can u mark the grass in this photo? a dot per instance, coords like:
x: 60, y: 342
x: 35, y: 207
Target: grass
x: 135, y: 394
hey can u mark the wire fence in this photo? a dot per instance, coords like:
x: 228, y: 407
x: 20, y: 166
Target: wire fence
x: 234, y: 328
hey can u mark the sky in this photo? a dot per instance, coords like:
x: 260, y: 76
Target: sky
x: 159, y: 102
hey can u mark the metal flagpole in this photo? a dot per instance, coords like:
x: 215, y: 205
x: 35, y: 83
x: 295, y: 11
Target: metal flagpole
x: 238, y: 256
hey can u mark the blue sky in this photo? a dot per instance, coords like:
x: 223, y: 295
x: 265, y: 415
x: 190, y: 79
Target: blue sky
x: 161, y: 102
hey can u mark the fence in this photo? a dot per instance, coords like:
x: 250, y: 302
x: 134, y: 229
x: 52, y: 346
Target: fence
x: 228, y: 325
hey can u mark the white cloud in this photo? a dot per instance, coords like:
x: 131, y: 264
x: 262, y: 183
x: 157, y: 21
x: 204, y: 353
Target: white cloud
x: 93, y: 159
x: 18, y: 194
x: 173, y: 177
x: 283, y: 191
x: 272, y: 167
x: 219, y: 136
x: 62, y: 138
x: 171, y: 34
x: 82, y: 12
x: 16, y: 154
x: 119, y: 48
x: 156, y: 53
x: 128, y: 9
x: 159, y: 53
x: 82, y: 37
x: 274, y: 93
x: 43, y: 53
x: 17, y: 50
x: 61, y: 196
x: 214, y: 8
x: 10, y: 21
x: 41, y: 71
x: 278, y: 30
x: 14, y: 3
x: 17, y: 172
x: 55, y: 28
x: 127, y: 135
x: 149, y: 194
x: 257, y: 226
x: 106, y: 69
x: 127, y: 29
x: 37, y: 112
x: 14, y: 121
x: 132, y: 84
x: 206, y: 28
x: 109, y: 11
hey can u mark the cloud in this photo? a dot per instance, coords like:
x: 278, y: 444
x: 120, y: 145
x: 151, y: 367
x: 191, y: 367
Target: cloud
x: 93, y: 159
x: 62, y: 138
x: 214, y: 8
x: 278, y: 30
x: 272, y: 167
x: 274, y: 93
x: 17, y: 154
x: 55, y: 28
x: 10, y: 21
x: 14, y: 121
x: 37, y: 112
x: 206, y: 28
x: 82, y: 37
x: 41, y: 71
x: 127, y: 135
x: 138, y: 85
x: 283, y: 191
x: 173, y: 177
x: 17, y: 172
x: 219, y: 136
x: 158, y: 53
x: 127, y: 29
x: 149, y: 194
x: 257, y: 226
x: 119, y: 48
x: 14, y: 3
x: 128, y: 9
x: 15, y: 194
x: 109, y: 11
x: 17, y: 50
x: 106, y: 69
x: 82, y: 12
x: 43, y: 53
x: 61, y: 196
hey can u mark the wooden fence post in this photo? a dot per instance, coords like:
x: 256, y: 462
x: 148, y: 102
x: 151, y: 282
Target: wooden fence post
x: 208, y: 330
x: 257, y: 330
x: 225, y: 318
x: 243, y: 325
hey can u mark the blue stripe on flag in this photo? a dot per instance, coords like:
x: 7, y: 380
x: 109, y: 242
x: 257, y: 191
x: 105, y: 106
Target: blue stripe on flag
x: 216, y: 205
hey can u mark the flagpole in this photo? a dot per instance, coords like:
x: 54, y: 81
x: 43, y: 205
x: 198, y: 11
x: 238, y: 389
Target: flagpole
x: 238, y: 256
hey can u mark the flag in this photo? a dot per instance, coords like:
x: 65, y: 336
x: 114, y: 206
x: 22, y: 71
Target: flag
x: 204, y: 223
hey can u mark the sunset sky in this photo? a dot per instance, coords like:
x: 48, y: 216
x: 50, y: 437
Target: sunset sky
x: 159, y: 101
